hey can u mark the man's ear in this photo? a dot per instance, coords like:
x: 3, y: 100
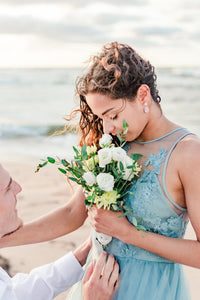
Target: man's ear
x: 143, y: 94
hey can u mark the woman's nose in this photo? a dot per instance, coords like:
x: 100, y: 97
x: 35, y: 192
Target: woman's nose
x: 108, y: 127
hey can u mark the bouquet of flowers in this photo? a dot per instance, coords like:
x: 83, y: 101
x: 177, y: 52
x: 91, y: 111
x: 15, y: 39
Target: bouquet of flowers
x: 105, y: 175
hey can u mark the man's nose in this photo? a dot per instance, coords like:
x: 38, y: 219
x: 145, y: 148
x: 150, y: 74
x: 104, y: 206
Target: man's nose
x: 108, y: 127
x: 17, y: 188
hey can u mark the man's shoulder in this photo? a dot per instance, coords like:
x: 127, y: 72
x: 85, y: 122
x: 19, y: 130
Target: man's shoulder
x: 4, y: 275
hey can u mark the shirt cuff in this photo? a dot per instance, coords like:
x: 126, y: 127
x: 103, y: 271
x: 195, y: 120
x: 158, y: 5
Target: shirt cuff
x: 69, y: 263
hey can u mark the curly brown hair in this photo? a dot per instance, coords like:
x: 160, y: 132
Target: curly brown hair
x: 118, y: 71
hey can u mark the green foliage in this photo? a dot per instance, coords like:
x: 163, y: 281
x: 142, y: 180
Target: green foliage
x: 86, y: 160
x: 135, y: 156
x: 84, y: 152
x: 51, y: 160
x: 62, y: 170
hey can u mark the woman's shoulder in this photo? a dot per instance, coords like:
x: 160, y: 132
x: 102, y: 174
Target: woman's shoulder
x: 189, y: 148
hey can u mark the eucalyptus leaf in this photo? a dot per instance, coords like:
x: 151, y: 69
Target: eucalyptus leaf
x: 121, y: 166
x: 136, y: 156
x: 74, y: 179
x: 84, y: 152
x: 134, y: 221
x: 51, y: 160
x: 62, y: 170
x: 77, y: 174
x: 65, y: 163
x: 119, y: 137
x: 140, y: 227
x: 44, y: 164
x: 125, y: 124
x: 76, y: 151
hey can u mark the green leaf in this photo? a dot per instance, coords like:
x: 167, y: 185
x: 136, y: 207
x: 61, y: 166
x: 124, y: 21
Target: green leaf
x: 74, y: 179
x: 125, y: 124
x: 62, y: 170
x: 119, y: 137
x: 130, y: 167
x: 136, y: 156
x: 65, y: 163
x: 88, y: 204
x: 76, y: 151
x: 140, y: 227
x: 77, y: 174
x: 123, y: 215
x: 51, y: 160
x: 89, y: 197
x: 84, y: 152
x: 79, y: 162
x: 134, y: 221
x: 40, y: 166
x: 121, y: 166
x: 115, y: 173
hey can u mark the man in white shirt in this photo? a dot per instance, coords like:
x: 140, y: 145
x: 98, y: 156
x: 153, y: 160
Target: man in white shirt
x: 45, y: 282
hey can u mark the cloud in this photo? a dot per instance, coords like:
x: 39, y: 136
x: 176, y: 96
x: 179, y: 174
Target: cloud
x: 61, y: 31
x: 77, y: 3
x: 141, y: 23
x: 159, y: 31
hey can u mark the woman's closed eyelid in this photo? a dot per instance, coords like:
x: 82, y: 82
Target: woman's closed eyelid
x: 114, y: 118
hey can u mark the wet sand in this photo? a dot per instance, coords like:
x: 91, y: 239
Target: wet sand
x: 43, y: 192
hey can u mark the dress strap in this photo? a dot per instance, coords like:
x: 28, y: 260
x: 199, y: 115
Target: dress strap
x: 165, y: 168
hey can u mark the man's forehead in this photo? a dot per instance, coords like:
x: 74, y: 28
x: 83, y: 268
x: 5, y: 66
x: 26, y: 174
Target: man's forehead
x: 4, y: 178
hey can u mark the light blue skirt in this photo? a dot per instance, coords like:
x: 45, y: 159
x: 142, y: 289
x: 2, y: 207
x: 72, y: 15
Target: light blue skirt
x: 146, y: 280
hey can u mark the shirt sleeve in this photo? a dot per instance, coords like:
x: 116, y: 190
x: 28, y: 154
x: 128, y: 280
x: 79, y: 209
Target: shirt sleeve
x: 47, y: 281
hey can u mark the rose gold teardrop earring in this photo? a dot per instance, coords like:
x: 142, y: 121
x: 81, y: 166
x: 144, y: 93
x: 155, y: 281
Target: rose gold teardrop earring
x: 146, y: 109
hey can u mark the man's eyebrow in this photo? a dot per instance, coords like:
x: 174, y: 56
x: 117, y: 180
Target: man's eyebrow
x: 106, y: 111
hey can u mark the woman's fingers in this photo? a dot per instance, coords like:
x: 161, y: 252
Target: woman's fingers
x: 114, y: 277
x: 108, y: 268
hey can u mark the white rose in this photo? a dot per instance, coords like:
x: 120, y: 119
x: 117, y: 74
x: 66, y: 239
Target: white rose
x: 105, y: 157
x: 89, y: 178
x: 128, y: 161
x: 118, y: 154
x: 105, y: 181
x: 105, y: 140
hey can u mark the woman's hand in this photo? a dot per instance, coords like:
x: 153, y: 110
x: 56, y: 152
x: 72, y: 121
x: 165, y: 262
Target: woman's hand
x: 108, y: 222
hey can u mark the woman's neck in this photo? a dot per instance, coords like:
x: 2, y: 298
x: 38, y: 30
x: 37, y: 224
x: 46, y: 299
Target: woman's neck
x: 157, y: 125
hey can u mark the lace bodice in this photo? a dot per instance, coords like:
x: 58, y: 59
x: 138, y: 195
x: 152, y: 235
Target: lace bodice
x: 150, y: 202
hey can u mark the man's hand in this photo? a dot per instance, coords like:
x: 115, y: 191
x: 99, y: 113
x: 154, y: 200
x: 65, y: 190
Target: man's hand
x: 100, y: 280
x: 82, y: 251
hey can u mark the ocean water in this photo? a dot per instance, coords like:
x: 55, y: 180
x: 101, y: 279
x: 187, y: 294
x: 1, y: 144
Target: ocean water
x: 33, y: 102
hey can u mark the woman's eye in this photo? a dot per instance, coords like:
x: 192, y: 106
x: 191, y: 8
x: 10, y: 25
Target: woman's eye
x: 115, y: 117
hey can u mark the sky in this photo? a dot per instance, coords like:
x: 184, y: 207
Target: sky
x: 61, y: 33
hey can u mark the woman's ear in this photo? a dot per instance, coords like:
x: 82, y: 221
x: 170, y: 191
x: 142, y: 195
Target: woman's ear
x: 143, y: 94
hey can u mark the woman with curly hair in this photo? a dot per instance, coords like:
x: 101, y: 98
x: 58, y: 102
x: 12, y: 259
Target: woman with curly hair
x: 118, y: 85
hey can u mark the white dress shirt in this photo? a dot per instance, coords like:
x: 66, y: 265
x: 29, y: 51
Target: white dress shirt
x: 42, y: 283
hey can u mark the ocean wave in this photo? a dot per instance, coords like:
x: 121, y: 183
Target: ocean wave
x: 16, y: 131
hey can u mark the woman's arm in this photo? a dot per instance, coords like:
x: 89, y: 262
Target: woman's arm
x: 178, y: 250
x: 57, y: 223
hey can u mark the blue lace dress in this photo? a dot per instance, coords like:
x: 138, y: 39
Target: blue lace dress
x: 144, y: 275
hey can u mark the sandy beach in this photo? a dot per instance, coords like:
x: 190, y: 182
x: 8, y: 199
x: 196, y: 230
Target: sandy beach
x: 43, y: 192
